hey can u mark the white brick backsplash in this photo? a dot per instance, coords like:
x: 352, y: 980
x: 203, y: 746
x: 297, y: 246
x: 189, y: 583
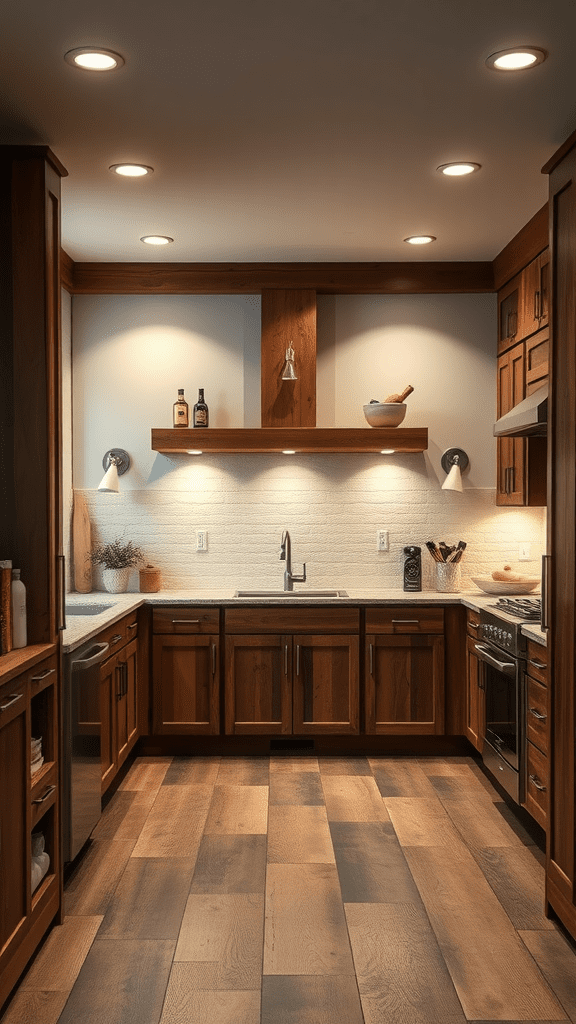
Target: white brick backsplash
x: 332, y: 506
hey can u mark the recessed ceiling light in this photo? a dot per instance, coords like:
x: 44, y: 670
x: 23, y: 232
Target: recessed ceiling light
x: 420, y: 239
x: 156, y: 239
x: 457, y: 169
x: 94, y: 58
x: 131, y: 170
x: 516, y: 59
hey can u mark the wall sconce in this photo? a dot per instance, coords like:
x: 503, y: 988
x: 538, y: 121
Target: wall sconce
x: 454, y: 460
x: 115, y: 462
x: 289, y: 373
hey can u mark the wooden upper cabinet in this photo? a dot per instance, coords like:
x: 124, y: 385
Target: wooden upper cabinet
x: 523, y: 303
x: 508, y: 313
x: 510, y: 488
x: 537, y: 360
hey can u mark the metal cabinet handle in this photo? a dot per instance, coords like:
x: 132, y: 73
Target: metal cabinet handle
x: 371, y: 652
x: 297, y: 659
x: 61, y: 592
x: 545, y: 625
x: 537, y: 664
x: 536, y: 714
x: 116, y: 638
x: 132, y: 625
x: 536, y: 782
x: 45, y: 795
x: 46, y: 672
x: 185, y: 622
x: 11, y: 700
x: 213, y: 659
x: 508, y: 331
x: 404, y: 622
x: 474, y: 625
x: 285, y: 659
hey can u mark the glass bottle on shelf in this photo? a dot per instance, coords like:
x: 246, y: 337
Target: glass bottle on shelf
x: 180, y: 415
x: 200, y: 412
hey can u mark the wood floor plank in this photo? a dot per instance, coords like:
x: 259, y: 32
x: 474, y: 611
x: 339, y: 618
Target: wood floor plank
x: 34, y: 1005
x: 146, y: 773
x: 371, y: 865
x: 124, y: 817
x: 310, y: 999
x: 288, y: 763
x: 448, y: 766
x: 227, y: 930
x: 557, y: 960
x: 492, y: 974
x: 229, y: 864
x: 238, y: 809
x: 60, y: 959
x: 517, y: 879
x: 301, y: 788
x: 305, y: 929
x: 419, y: 821
x: 463, y: 784
x: 184, y: 1005
x: 89, y: 889
x: 401, y: 972
x: 353, y: 798
x: 401, y: 777
x: 480, y: 824
x: 344, y: 766
x: 150, y: 899
x: 527, y: 830
x: 243, y: 771
x: 299, y: 835
x: 175, y: 823
x: 186, y: 771
x: 122, y: 981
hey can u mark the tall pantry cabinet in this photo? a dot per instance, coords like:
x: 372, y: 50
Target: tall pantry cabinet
x: 561, y: 603
x: 30, y: 535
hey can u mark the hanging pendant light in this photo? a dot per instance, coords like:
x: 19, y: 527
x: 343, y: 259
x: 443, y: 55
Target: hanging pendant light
x: 289, y: 373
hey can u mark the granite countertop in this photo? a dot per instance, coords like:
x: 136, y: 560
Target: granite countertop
x: 81, y: 628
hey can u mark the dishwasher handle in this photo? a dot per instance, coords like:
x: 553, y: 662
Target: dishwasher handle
x: 94, y: 658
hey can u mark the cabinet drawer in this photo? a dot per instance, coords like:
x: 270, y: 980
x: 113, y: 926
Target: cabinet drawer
x: 537, y: 714
x: 184, y: 619
x: 43, y: 675
x: 473, y: 623
x: 119, y: 633
x: 292, y: 620
x: 537, y: 784
x: 405, y: 619
x: 537, y: 662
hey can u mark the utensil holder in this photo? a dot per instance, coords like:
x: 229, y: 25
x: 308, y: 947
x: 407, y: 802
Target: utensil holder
x: 448, y: 577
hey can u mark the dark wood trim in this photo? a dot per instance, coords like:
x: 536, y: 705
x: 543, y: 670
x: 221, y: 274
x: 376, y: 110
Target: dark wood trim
x: 522, y: 249
x: 272, y: 440
x: 22, y: 659
x: 560, y: 153
x: 26, y: 152
x: 66, y: 271
x: 251, y: 278
x: 288, y: 320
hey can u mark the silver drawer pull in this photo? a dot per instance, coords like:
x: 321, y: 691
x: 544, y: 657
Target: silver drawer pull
x: 474, y: 625
x: 285, y: 659
x: 213, y: 659
x: 45, y: 795
x: 11, y: 700
x: 536, y: 782
x: 132, y: 625
x: 403, y: 622
x: 297, y: 659
x: 541, y: 718
x: 537, y: 664
x: 185, y: 622
x: 46, y: 672
x: 116, y: 638
x: 371, y: 659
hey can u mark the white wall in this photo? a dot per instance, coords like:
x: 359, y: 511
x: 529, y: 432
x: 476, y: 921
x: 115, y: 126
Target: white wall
x: 132, y: 353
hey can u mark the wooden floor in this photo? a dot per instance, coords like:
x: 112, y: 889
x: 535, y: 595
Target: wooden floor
x: 303, y: 890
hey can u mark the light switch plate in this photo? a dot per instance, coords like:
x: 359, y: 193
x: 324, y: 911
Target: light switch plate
x: 201, y: 540
x: 524, y: 552
x: 382, y: 543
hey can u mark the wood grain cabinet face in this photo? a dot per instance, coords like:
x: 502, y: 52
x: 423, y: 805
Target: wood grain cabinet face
x: 537, y: 733
x: 509, y: 304
x: 405, y: 684
x: 475, y: 697
x: 186, y: 682
x: 14, y: 814
x: 325, y: 684
x: 118, y: 709
x: 534, y: 300
x: 258, y: 684
x: 521, y: 461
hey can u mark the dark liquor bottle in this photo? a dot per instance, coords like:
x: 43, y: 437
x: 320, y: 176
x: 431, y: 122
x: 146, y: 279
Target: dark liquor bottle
x: 180, y: 410
x: 200, y: 413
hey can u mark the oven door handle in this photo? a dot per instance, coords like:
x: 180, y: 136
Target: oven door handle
x: 485, y: 654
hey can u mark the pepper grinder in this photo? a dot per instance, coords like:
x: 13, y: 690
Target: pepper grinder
x: 413, y: 568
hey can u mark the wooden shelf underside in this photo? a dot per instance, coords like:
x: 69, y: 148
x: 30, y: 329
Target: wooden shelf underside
x: 272, y: 440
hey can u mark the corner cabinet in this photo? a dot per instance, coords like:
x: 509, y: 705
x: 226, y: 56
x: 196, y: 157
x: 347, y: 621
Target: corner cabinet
x: 292, y: 671
x: 405, y: 670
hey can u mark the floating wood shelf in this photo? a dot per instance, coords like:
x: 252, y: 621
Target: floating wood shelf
x: 270, y: 440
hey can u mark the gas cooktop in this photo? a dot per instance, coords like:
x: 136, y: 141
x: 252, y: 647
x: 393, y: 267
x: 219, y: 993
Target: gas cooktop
x: 526, y: 608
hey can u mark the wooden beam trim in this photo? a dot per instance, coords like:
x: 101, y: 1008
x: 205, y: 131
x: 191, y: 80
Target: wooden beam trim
x: 531, y: 240
x: 66, y: 272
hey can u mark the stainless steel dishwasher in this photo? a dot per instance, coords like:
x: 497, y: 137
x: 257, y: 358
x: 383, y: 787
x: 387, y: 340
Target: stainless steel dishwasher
x: 81, y: 775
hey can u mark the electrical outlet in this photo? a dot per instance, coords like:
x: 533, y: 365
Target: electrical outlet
x: 201, y: 540
x: 382, y: 540
x: 524, y: 554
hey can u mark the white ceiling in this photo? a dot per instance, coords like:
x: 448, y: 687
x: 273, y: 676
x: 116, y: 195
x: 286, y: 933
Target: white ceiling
x: 291, y: 131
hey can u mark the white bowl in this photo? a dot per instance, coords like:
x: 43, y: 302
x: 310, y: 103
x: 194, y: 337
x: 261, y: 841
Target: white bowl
x: 490, y: 586
x: 385, y: 414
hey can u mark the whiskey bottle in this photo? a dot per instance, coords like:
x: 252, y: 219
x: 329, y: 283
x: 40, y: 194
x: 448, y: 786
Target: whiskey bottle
x: 180, y: 410
x: 200, y: 413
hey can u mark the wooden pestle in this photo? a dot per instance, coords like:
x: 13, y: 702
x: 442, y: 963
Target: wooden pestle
x: 400, y: 398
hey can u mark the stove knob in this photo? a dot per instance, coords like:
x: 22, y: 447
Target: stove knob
x: 509, y: 639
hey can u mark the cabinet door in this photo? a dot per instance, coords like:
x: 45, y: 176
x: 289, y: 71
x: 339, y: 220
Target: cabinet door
x: 537, y: 360
x: 510, y: 450
x: 475, y: 702
x: 186, y: 681
x: 508, y: 313
x: 14, y: 833
x: 259, y: 684
x: 544, y: 285
x: 325, y: 684
x: 108, y: 743
x: 126, y: 701
x: 405, y: 684
x: 530, y: 299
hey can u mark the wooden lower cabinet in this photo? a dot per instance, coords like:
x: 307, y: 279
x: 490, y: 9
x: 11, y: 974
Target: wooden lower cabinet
x: 292, y: 684
x: 118, y: 709
x: 186, y: 682
x: 405, y: 684
x: 537, y: 787
x: 475, y: 695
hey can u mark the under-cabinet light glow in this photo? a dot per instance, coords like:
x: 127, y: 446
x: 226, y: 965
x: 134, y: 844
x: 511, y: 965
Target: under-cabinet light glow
x: 194, y: 451
x: 388, y: 451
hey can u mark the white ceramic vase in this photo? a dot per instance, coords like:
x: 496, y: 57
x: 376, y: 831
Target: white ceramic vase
x: 116, y: 580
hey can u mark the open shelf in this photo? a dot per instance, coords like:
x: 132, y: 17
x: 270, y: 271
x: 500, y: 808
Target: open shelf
x: 273, y: 440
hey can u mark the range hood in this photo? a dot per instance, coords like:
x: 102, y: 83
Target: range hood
x: 528, y: 419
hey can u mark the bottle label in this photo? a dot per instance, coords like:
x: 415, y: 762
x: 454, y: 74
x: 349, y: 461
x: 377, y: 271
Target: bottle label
x: 200, y: 417
x: 181, y: 413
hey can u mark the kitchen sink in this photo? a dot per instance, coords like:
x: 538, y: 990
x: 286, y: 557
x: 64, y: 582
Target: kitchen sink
x: 291, y: 593
x: 87, y: 609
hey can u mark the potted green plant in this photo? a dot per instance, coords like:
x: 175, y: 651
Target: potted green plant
x: 116, y: 559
